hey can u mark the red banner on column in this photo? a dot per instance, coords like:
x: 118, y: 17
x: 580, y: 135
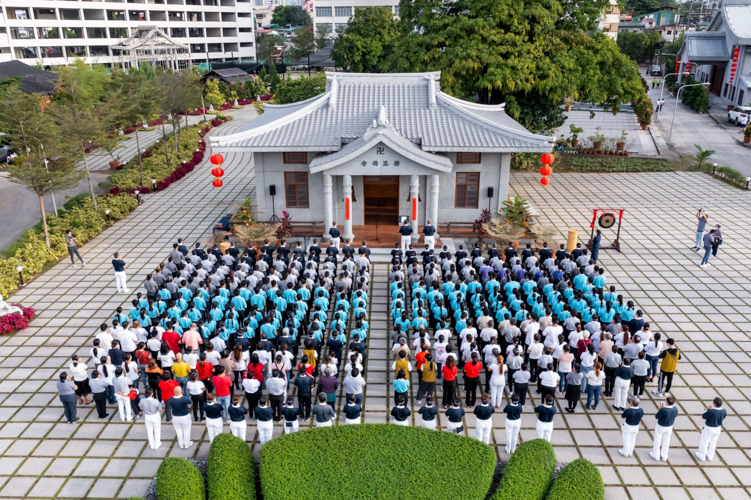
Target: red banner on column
x: 346, y: 209
x: 414, y: 208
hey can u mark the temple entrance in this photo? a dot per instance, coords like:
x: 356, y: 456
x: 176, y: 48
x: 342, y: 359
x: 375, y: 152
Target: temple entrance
x: 381, y: 200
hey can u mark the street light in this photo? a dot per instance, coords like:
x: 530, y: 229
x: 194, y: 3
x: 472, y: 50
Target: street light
x: 677, y: 100
x: 714, y: 167
x: 107, y: 214
x: 662, y: 89
x: 20, y: 275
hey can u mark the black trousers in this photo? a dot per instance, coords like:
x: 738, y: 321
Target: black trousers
x: 609, y: 379
x: 545, y: 390
x: 198, y: 402
x: 425, y: 389
x: 639, y: 381
x: 470, y: 387
x: 449, y: 392
x: 100, y: 398
x: 252, y: 399
x: 666, y: 379
x: 521, y: 391
x: 277, y: 403
x: 303, y: 403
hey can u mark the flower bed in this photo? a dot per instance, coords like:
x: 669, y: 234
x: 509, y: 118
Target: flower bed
x: 11, y: 323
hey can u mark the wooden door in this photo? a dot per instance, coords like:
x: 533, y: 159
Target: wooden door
x: 381, y: 199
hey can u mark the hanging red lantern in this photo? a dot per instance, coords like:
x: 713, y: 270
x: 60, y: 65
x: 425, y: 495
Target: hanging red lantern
x: 217, y: 159
x: 217, y: 172
x: 547, y: 159
x: 545, y: 181
x: 546, y: 170
x: 217, y: 183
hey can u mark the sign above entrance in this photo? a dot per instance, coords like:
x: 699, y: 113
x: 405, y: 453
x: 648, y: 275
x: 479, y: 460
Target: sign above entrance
x: 380, y: 160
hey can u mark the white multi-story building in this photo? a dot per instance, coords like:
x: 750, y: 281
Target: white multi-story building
x: 336, y: 13
x: 610, y: 20
x: 53, y: 32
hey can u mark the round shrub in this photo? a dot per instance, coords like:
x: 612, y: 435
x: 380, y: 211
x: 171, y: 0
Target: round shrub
x: 375, y: 461
x: 529, y: 472
x: 579, y: 479
x: 230, y: 469
x: 178, y: 479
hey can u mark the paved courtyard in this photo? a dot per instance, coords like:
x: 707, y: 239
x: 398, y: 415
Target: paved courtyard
x: 706, y: 311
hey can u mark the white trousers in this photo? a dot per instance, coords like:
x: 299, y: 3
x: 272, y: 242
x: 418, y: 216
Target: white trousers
x: 512, y: 434
x: 620, y: 392
x: 295, y: 427
x: 430, y: 241
x: 708, y: 441
x: 353, y: 421
x: 238, y: 429
x: 123, y: 407
x: 628, y: 433
x: 403, y: 423
x: 335, y: 242
x: 214, y: 427
x: 452, y: 426
x: 496, y: 390
x: 545, y: 430
x: 121, y: 281
x: 428, y: 424
x: 662, y: 441
x: 265, y: 431
x: 482, y: 430
x: 406, y: 242
x: 154, y: 430
x: 182, y: 429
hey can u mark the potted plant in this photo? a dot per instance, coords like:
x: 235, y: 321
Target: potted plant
x: 512, y: 223
x: 747, y: 134
x: 567, y: 102
x: 597, y: 139
x: 575, y: 131
x: 643, y: 110
x: 621, y: 144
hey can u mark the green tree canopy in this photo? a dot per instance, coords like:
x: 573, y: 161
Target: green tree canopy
x: 299, y: 89
x: 266, y: 46
x: 291, y: 14
x: 639, y: 7
x: 303, y: 44
x: 367, y: 42
x: 639, y: 46
x: 323, y: 35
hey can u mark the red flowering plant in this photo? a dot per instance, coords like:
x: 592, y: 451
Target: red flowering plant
x: 17, y: 321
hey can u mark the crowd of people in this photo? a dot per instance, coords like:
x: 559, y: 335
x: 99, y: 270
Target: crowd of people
x: 224, y: 336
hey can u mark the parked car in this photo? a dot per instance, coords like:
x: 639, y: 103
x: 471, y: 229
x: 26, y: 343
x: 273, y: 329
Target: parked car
x: 655, y: 70
x: 4, y: 152
x: 736, y: 114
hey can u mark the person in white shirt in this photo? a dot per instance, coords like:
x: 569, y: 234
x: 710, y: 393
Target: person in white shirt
x: 128, y: 340
x: 551, y: 334
x: 497, y: 380
x: 105, y: 338
x: 549, y: 380
x: 190, y: 357
x: 131, y: 369
x: 78, y: 371
x: 97, y: 352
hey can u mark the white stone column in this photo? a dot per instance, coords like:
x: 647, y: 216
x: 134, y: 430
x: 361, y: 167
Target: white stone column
x: 328, y: 205
x: 347, y: 192
x: 503, y: 180
x: 414, y: 195
x: 434, y: 200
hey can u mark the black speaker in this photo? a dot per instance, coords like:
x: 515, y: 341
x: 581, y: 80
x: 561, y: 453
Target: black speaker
x: 272, y: 190
x: 490, y: 192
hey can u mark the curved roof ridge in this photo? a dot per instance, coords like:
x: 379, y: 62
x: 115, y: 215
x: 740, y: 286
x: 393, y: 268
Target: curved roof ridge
x: 475, y: 105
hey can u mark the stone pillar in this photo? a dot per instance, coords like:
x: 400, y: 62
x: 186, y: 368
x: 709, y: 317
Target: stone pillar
x: 328, y: 205
x: 414, y: 195
x: 347, y: 192
x: 503, y: 180
x: 433, y: 215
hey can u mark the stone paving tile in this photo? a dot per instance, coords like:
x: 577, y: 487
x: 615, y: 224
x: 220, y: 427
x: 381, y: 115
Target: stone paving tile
x: 704, y: 310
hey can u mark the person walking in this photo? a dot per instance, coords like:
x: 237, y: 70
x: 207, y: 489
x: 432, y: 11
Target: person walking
x: 513, y: 413
x: 122, y: 393
x: 323, y: 412
x: 630, y: 428
x: 66, y: 390
x: 664, y: 429
x: 484, y: 419
x: 623, y: 375
x: 428, y: 413
x: 98, y: 387
x: 702, y: 218
x: 708, y: 244
x: 429, y: 231
x: 710, y: 433
x: 214, y: 421
x: 406, y: 238
x: 291, y: 415
x: 237, y: 413
x: 150, y: 406
x: 400, y: 413
x: 71, y: 242
x: 120, y: 279
x: 670, y: 357
x: 180, y: 405
x: 545, y: 413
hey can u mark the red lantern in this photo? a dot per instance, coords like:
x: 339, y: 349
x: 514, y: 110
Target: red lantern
x: 217, y: 183
x: 217, y: 159
x: 547, y: 159
x: 546, y: 171
x: 734, y: 65
x: 544, y: 181
x: 217, y: 172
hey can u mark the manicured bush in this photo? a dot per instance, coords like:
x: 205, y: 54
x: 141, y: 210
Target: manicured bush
x: 178, y: 479
x: 230, y: 469
x: 529, y: 472
x: 375, y: 461
x: 579, y: 479
x: 732, y: 174
x: 10, y: 323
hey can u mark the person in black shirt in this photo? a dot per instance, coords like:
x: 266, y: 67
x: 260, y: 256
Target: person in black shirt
x: 120, y: 279
x: 304, y: 384
x: 545, y: 253
x: 429, y: 231
x: 396, y: 254
x: 267, y: 247
x: 428, y: 413
x: 406, y: 232
x: 400, y: 412
x: 455, y: 415
x: 348, y: 249
x: 290, y: 417
x: 710, y: 433
x: 560, y: 254
x: 665, y: 416
x: 180, y: 406
x: 265, y: 420
x: 237, y: 414
x: 576, y: 252
x: 630, y: 428
x: 484, y: 422
x: 352, y: 410
x: 509, y: 252
x: 214, y: 420
x: 545, y: 414
x: 513, y: 413
x: 364, y: 250
x: 335, y: 235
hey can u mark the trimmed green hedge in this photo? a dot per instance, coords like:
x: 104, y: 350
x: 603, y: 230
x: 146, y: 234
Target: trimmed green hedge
x: 529, y: 472
x: 375, y: 461
x: 178, y: 479
x: 231, y: 469
x: 579, y: 479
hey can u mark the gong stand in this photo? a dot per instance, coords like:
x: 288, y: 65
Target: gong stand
x: 616, y: 244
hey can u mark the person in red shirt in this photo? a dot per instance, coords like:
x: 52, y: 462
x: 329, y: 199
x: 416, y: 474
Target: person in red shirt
x: 420, y: 360
x: 205, y: 372
x: 472, y: 379
x: 167, y: 388
x: 255, y: 369
x: 449, y: 372
x: 173, y: 340
x: 222, y: 389
x: 142, y: 358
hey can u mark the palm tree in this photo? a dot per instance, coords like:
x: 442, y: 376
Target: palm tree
x: 703, y: 155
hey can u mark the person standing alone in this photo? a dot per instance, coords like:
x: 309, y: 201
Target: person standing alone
x: 406, y: 232
x: 429, y: 231
x: 120, y: 279
x: 702, y: 216
x: 710, y: 433
x: 70, y: 240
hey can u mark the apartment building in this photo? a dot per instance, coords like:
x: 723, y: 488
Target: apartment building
x: 53, y: 32
x: 336, y: 13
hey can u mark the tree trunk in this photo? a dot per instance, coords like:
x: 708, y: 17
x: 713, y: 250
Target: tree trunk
x: 44, y: 221
x: 140, y: 161
x: 88, y: 177
x: 164, y: 138
x: 175, y: 133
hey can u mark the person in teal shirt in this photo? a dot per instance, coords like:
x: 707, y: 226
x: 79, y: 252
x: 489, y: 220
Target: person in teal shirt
x: 599, y: 280
x: 268, y: 328
x: 239, y: 302
x: 231, y: 324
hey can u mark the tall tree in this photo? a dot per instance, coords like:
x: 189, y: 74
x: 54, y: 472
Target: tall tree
x: 530, y: 54
x: 178, y: 91
x: 323, y: 35
x: 303, y: 44
x: 267, y: 46
x: 291, y: 14
x: 367, y: 41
